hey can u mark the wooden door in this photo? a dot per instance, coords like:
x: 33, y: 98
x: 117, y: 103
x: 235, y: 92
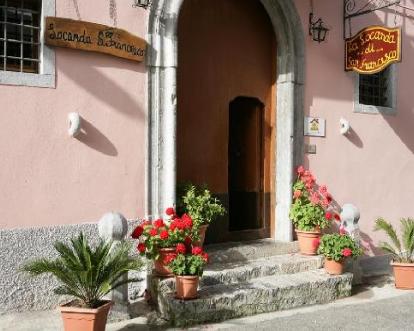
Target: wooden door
x: 226, y: 49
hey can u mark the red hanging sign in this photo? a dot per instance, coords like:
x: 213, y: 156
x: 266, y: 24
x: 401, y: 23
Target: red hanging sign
x: 372, y: 49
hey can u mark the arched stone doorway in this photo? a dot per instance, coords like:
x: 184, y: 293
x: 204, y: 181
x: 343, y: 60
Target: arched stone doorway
x: 162, y: 62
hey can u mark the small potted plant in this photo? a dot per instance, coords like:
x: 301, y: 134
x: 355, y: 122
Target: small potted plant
x: 188, y: 266
x: 87, y: 274
x: 400, y: 250
x: 337, y: 248
x: 158, y: 239
x: 311, y: 210
x: 202, y: 207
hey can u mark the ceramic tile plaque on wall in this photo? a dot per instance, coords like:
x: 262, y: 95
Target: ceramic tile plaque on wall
x: 314, y: 126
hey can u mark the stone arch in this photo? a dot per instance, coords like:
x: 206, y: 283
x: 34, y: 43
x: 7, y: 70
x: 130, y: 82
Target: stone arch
x: 162, y: 67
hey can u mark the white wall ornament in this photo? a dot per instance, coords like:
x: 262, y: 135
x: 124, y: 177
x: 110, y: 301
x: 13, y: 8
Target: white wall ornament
x: 344, y: 126
x: 75, y: 124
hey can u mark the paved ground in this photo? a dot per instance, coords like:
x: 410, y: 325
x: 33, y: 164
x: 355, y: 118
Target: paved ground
x: 375, y: 307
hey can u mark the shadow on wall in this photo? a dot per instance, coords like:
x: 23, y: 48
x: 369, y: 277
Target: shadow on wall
x: 93, y: 138
x: 82, y: 68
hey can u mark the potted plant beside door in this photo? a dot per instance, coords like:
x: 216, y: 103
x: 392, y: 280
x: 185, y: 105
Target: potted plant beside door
x: 336, y: 248
x: 311, y: 211
x: 202, y: 207
x: 401, y: 250
x: 87, y: 274
x: 187, y: 266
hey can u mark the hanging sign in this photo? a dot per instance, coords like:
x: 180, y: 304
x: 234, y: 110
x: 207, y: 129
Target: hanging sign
x: 86, y: 36
x: 372, y: 49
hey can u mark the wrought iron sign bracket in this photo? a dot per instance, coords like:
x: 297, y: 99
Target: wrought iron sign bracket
x: 354, y: 8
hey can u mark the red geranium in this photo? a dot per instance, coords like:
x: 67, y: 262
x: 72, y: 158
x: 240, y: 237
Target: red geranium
x: 141, y: 248
x: 197, y: 250
x: 169, y: 258
x: 180, y: 249
x: 347, y: 252
x: 337, y: 218
x: 300, y: 170
x: 187, y: 221
x: 328, y: 216
x: 137, y: 232
x: 153, y: 232
x: 159, y: 223
x: 205, y: 257
x: 170, y: 211
x: 164, y: 235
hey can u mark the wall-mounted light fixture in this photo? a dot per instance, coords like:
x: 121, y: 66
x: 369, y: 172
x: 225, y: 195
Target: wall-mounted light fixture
x: 317, y: 29
x: 142, y: 3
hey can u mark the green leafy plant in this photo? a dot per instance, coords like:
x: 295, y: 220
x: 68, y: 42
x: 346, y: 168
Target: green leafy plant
x: 311, y: 207
x: 87, y: 273
x: 189, y: 264
x: 199, y: 203
x: 401, y: 250
x: 338, y: 246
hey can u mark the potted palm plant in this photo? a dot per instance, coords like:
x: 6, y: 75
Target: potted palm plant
x: 158, y: 239
x: 400, y: 250
x: 311, y: 210
x: 87, y: 274
x: 337, y: 248
x: 202, y: 207
x: 188, y: 266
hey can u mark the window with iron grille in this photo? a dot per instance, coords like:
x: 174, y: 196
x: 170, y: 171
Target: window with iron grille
x: 20, y: 35
x: 373, y: 89
x: 376, y: 93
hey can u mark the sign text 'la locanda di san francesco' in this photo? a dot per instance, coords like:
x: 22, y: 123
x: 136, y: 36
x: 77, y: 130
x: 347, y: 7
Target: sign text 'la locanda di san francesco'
x: 373, y: 49
x: 87, y: 36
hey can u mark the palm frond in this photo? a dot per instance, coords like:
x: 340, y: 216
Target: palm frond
x: 87, y: 273
x: 382, y: 224
x: 396, y: 256
x: 407, y: 227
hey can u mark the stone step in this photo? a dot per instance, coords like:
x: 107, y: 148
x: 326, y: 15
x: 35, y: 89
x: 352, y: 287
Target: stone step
x: 249, y: 250
x: 265, y: 294
x: 244, y: 271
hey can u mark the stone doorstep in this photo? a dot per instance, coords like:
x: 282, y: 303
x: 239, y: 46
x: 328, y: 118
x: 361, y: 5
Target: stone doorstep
x: 266, y: 294
x: 249, y: 250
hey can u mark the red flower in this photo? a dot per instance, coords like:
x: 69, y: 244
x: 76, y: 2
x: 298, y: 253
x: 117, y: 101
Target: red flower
x: 159, y: 223
x: 137, y: 232
x: 180, y: 249
x: 314, y: 198
x: 323, y: 189
x: 328, y: 198
x: 187, y: 221
x: 316, y: 242
x: 347, y: 252
x: 325, y: 203
x: 197, y: 250
x: 205, y: 257
x: 164, y: 235
x: 300, y: 170
x: 188, y: 241
x: 169, y: 258
x: 170, y: 211
x: 153, y: 232
x: 328, y: 216
x: 297, y: 194
x: 337, y: 218
x: 141, y: 248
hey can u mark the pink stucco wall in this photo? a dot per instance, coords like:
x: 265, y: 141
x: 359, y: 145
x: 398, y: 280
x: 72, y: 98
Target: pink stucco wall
x: 49, y: 178
x: 372, y: 169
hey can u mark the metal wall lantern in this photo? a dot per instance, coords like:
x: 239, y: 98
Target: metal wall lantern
x: 142, y: 3
x: 317, y: 29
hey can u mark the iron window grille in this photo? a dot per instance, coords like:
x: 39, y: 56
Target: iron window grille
x: 20, y: 35
x: 373, y: 89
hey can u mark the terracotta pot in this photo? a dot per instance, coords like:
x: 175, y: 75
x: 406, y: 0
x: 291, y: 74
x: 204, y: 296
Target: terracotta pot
x: 186, y: 287
x: 404, y: 275
x: 161, y: 268
x: 202, y: 234
x: 334, y: 268
x: 307, y: 241
x: 85, y: 319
